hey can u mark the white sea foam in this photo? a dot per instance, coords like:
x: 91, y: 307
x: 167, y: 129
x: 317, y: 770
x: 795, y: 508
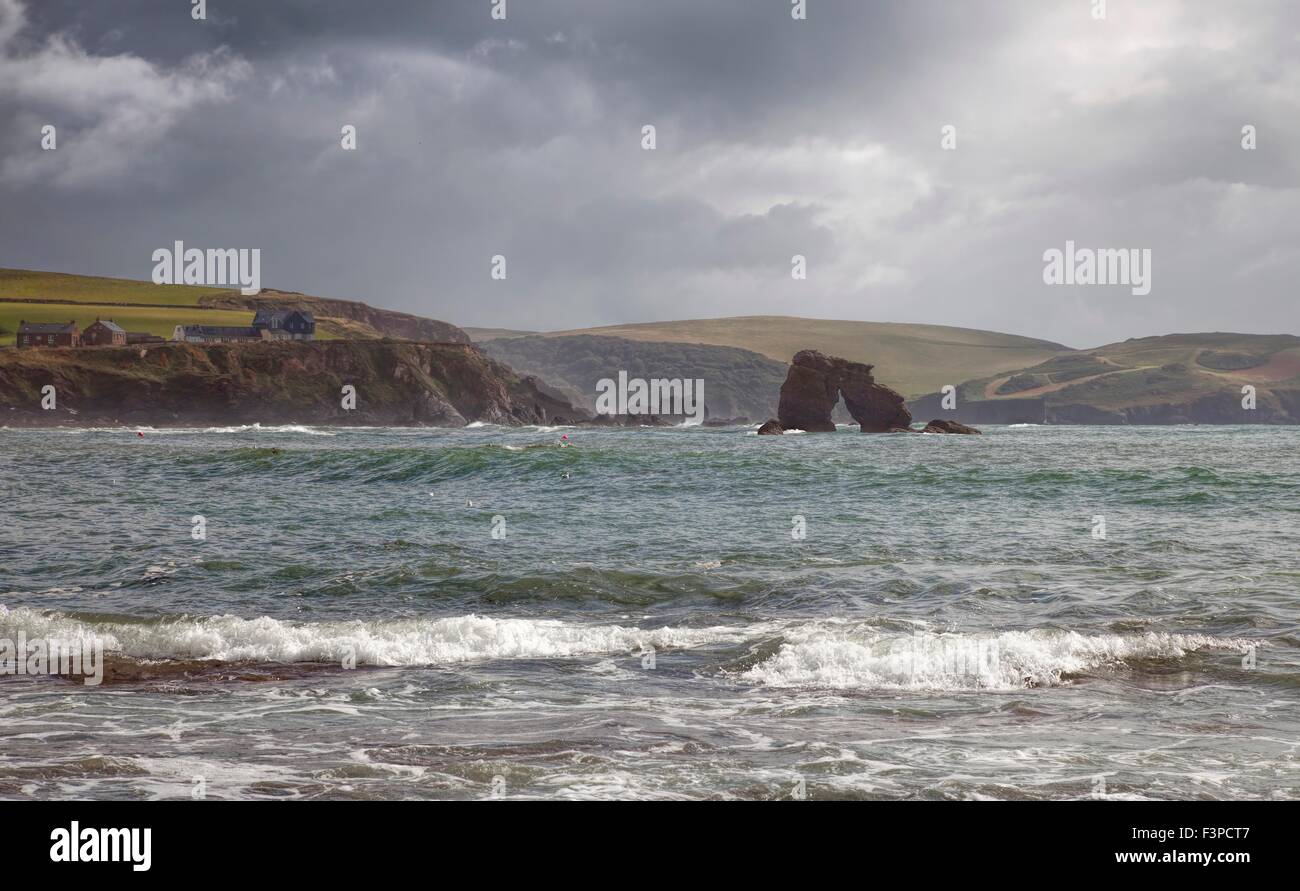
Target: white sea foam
x: 258, y: 428
x: 833, y: 655
x: 386, y: 643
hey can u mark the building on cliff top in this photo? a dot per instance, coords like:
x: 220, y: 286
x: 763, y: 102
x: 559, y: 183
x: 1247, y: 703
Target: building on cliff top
x: 48, y: 334
x: 216, y: 334
x: 268, y: 324
x: 286, y: 324
x: 103, y: 333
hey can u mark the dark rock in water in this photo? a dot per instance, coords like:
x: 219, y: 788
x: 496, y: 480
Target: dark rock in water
x: 816, y: 381
x: 942, y: 426
x: 771, y: 428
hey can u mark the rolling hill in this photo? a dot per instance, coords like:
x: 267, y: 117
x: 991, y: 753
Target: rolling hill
x: 1175, y: 378
x: 910, y: 358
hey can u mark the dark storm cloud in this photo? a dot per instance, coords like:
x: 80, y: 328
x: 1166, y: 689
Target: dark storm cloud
x: 775, y: 137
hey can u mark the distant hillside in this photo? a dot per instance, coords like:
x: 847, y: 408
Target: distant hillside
x: 910, y: 358
x: 1176, y: 378
x: 482, y: 335
x: 737, y: 383
x: 157, y: 309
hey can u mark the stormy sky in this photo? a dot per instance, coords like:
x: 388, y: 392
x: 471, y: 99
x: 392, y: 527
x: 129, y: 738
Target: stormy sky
x: 775, y: 136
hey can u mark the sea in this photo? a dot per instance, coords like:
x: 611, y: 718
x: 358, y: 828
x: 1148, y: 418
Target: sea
x: 298, y: 612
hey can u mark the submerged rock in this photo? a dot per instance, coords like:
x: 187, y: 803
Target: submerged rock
x: 814, y: 385
x: 941, y: 426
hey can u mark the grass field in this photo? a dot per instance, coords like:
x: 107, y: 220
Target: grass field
x: 32, y: 285
x: 88, y: 297
x: 912, y: 359
x: 160, y: 320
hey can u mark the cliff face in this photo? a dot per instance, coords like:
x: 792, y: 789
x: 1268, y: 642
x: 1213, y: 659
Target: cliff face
x: 435, y: 384
x: 737, y: 383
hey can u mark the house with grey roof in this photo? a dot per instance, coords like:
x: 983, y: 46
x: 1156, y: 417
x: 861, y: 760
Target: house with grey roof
x: 48, y: 334
x: 104, y: 332
x: 286, y: 324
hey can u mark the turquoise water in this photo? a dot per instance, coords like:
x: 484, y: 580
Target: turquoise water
x: 645, y: 624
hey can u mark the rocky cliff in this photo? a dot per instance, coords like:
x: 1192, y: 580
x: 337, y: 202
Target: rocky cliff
x: 396, y: 383
x: 737, y: 383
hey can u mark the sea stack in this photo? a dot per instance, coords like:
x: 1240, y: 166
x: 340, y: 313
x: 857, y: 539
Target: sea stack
x: 814, y: 384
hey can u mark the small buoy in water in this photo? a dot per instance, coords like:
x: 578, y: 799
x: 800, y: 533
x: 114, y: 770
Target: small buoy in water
x: 564, y: 436
x: 140, y: 433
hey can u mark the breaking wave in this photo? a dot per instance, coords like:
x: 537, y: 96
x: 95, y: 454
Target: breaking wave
x: 820, y: 654
x: 828, y: 655
x: 399, y: 642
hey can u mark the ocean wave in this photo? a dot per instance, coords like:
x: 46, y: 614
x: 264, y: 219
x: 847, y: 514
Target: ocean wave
x: 833, y: 656
x: 397, y: 642
x: 429, y: 465
x: 177, y: 431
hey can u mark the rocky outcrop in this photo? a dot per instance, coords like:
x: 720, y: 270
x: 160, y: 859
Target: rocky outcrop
x: 771, y: 428
x: 814, y: 384
x: 940, y: 425
x: 285, y: 382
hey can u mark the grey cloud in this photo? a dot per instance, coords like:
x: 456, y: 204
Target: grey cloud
x: 775, y: 137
